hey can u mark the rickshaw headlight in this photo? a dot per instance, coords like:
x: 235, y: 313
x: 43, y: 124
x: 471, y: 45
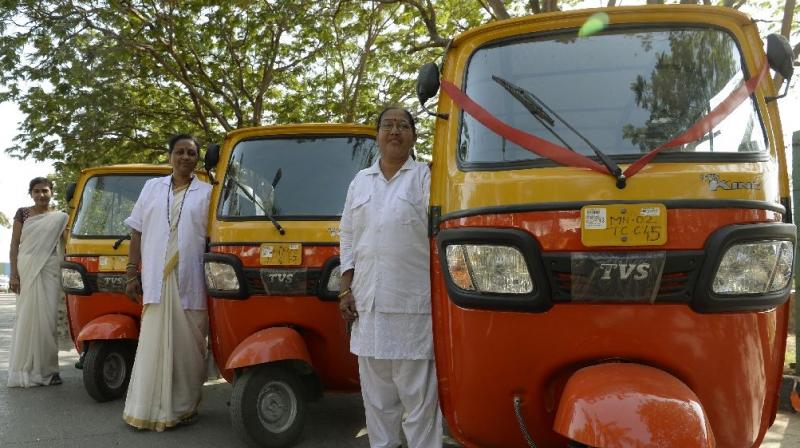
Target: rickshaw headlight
x: 755, y: 268
x: 221, y: 276
x: 335, y: 279
x: 71, y: 279
x: 488, y: 268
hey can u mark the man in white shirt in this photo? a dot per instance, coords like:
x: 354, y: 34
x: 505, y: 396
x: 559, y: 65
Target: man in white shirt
x: 385, y: 289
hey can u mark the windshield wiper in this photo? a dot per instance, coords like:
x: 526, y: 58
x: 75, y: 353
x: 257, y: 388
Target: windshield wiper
x: 252, y: 198
x: 537, y: 108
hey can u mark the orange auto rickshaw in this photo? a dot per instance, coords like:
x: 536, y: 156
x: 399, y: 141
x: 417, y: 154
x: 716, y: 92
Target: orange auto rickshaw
x: 272, y: 270
x: 103, y: 321
x: 611, y: 244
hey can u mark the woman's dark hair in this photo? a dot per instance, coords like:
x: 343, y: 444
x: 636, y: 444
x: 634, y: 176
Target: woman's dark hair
x: 408, y: 114
x: 39, y: 180
x: 177, y: 137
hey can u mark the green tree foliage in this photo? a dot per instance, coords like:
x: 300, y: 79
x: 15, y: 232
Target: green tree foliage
x: 105, y: 82
x: 4, y: 221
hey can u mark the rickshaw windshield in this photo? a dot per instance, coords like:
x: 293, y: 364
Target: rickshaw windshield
x: 627, y: 91
x: 293, y: 178
x: 105, y: 203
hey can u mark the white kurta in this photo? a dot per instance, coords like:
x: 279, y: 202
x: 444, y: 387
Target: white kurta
x: 170, y: 368
x: 34, y: 344
x: 384, y: 239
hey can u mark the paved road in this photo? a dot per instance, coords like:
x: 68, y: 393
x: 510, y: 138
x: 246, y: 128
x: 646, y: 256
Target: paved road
x: 65, y: 416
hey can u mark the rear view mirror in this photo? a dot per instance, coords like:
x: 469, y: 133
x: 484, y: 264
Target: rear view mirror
x: 427, y: 82
x: 210, y: 160
x: 428, y: 86
x: 781, y: 59
x: 70, y: 191
x: 212, y: 157
x: 780, y: 56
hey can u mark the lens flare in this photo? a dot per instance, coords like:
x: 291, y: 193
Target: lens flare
x: 594, y: 24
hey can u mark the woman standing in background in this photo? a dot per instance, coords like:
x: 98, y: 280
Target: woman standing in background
x: 36, y: 253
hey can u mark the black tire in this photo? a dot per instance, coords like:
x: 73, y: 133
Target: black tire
x: 268, y: 406
x: 107, y: 369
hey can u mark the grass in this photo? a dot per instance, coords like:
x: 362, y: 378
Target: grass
x: 791, y: 354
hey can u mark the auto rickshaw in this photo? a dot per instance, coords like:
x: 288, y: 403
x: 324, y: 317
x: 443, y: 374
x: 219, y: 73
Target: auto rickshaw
x: 272, y: 271
x: 611, y: 249
x: 103, y: 321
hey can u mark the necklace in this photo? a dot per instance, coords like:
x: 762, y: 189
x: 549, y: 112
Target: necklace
x: 180, y: 210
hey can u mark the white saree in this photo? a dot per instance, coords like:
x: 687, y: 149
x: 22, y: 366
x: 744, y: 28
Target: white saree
x: 34, y: 347
x: 170, y: 365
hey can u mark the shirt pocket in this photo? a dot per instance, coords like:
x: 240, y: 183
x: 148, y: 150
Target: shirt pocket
x: 409, y: 209
x: 358, y: 209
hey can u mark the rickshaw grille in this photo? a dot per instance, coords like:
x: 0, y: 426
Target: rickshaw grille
x: 681, y: 270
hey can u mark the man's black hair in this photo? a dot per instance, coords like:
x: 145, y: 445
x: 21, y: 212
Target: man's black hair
x: 411, y: 120
x: 177, y: 137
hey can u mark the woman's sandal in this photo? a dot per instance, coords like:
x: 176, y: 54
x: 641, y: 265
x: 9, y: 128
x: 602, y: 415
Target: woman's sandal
x: 55, y: 380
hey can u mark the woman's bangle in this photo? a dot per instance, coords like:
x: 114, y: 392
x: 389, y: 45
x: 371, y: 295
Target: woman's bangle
x: 344, y: 293
x: 132, y: 279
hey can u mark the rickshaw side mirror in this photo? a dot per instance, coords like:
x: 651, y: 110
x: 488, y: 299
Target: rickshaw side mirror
x: 780, y: 56
x: 212, y: 157
x: 781, y: 59
x: 70, y: 193
x: 427, y: 82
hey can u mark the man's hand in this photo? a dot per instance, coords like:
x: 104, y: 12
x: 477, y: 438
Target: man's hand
x: 133, y: 289
x: 347, y: 307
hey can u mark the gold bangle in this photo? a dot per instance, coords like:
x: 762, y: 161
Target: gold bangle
x: 344, y: 293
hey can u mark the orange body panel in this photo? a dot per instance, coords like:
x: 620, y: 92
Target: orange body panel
x: 82, y: 310
x: 109, y: 326
x: 270, y: 345
x: 318, y: 322
x: 619, y: 405
x: 732, y: 361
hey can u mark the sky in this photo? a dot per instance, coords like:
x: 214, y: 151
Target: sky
x: 15, y: 174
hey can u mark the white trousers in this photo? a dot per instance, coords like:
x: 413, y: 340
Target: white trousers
x: 401, y: 393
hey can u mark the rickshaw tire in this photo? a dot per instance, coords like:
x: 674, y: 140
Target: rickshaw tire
x: 244, y: 406
x: 93, y: 369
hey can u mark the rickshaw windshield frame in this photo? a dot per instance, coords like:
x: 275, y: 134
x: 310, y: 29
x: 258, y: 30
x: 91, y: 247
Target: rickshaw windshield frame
x: 571, y: 99
x: 276, y: 171
x: 107, y: 217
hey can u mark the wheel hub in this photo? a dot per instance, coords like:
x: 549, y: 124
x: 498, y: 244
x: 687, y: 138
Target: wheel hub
x: 114, y: 370
x: 277, y: 406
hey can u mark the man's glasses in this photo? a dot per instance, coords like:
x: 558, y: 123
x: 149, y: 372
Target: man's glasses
x: 401, y: 126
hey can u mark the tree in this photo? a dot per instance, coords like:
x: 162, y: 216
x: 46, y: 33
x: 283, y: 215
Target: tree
x: 4, y: 221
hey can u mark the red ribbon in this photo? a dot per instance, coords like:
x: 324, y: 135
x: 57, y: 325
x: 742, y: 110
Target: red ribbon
x: 567, y: 157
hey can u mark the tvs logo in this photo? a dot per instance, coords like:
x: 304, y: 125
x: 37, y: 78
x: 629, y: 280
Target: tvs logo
x: 624, y: 271
x: 715, y: 182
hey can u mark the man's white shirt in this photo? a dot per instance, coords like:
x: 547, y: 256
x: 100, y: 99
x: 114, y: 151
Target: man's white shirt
x: 384, y: 239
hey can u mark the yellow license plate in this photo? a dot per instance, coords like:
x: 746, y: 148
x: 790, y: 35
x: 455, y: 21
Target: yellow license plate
x: 282, y: 254
x: 624, y: 225
x: 109, y: 263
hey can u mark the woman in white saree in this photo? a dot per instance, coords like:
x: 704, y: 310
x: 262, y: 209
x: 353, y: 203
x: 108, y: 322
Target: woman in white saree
x: 168, y: 232
x: 36, y: 252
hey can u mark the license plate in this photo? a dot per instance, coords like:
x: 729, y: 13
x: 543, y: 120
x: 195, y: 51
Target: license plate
x: 111, y: 263
x: 281, y: 254
x: 624, y: 225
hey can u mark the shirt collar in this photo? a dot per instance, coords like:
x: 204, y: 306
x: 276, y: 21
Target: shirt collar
x: 193, y: 185
x: 375, y: 168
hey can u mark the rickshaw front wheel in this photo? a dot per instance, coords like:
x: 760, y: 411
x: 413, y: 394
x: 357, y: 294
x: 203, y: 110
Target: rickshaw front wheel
x: 268, y: 406
x: 107, y: 369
